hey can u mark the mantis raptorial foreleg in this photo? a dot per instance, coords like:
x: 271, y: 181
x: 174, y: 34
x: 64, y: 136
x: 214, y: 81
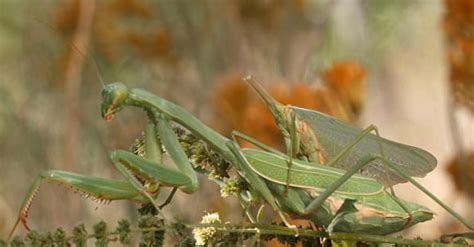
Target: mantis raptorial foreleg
x: 172, y: 146
x: 143, y: 176
x: 98, y: 188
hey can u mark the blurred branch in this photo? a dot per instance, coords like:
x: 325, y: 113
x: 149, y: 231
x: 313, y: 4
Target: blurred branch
x: 73, y: 78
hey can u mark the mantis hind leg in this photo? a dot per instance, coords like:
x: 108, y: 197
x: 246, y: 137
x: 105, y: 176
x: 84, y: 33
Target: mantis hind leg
x: 100, y: 189
x: 403, y: 206
x: 427, y: 192
x: 354, y: 142
x: 317, y: 202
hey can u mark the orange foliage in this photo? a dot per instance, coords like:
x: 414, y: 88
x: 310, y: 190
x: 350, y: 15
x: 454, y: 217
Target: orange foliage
x: 347, y: 82
x: 230, y: 101
x: 458, y: 22
x: 66, y: 19
x: 463, y: 177
x: 111, y: 39
x: 268, y: 14
x: 156, y: 42
x: 237, y: 108
x: 137, y: 7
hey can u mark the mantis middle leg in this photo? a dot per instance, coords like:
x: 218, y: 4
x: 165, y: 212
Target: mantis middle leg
x: 316, y: 203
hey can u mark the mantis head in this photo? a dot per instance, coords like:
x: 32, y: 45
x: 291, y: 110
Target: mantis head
x: 113, y: 96
x: 281, y: 113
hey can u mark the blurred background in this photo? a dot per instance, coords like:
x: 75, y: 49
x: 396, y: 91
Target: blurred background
x: 406, y: 66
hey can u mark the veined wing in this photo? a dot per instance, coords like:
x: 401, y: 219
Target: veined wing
x: 333, y: 135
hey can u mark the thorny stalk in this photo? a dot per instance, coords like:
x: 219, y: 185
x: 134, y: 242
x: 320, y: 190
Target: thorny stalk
x: 226, y: 233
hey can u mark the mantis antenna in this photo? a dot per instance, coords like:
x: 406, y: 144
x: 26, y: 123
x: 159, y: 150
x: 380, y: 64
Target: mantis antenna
x: 93, y: 60
x: 89, y: 58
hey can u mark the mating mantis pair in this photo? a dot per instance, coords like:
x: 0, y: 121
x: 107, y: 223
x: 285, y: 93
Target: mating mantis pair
x: 298, y: 184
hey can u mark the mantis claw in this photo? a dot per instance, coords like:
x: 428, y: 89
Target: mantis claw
x: 24, y: 221
x: 109, y: 117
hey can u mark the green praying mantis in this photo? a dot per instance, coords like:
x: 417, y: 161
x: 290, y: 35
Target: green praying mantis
x: 318, y: 180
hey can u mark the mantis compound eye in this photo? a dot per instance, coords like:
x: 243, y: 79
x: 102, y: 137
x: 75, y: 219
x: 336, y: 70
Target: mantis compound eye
x: 113, y: 96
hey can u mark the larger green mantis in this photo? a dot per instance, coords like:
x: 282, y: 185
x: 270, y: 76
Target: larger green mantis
x: 337, y: 199
x: 322, y: 138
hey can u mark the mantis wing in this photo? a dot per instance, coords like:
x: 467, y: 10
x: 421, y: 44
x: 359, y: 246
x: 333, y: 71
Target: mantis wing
x: 334, y: 135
